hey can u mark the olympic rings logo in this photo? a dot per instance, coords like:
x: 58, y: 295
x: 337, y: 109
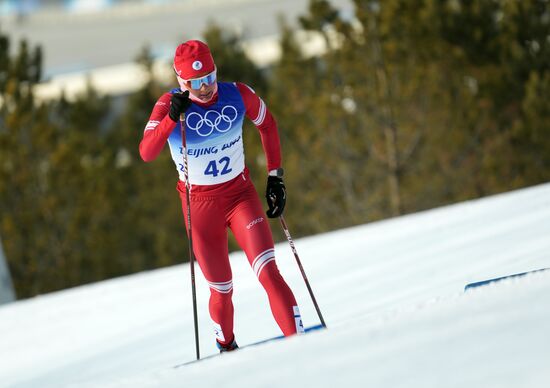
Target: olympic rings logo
x: 212, y: 120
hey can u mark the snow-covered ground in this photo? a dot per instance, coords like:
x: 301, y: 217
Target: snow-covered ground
x: 391, y: 292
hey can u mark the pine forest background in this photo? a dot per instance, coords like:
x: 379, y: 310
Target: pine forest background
x: 415, y: 104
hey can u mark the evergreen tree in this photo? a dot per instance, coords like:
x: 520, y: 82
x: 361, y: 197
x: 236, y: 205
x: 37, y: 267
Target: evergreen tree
x: 54, y: 203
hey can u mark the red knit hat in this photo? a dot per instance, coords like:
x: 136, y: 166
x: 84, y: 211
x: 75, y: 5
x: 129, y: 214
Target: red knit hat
x: 193, y: 59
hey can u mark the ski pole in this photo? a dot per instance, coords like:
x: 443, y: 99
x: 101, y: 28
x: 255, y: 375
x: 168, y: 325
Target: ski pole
x: 293, y: 247
x: 191, y: 253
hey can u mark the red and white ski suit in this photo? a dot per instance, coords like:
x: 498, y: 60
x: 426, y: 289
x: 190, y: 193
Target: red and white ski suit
x: 223, y: 196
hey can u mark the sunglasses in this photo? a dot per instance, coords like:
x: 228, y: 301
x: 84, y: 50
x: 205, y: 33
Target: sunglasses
x: 196, y: 83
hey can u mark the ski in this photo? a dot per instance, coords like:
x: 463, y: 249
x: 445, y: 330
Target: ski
x: 489, y: 281
x: 280, y: 337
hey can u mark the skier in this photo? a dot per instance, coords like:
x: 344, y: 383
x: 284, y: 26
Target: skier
x: 221, y: 193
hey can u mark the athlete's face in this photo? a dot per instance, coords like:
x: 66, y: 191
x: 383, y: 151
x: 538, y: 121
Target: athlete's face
x: 205, y: 92
x: 203, y: 87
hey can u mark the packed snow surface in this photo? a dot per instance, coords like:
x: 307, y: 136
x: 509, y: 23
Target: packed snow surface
x: 391, y: 292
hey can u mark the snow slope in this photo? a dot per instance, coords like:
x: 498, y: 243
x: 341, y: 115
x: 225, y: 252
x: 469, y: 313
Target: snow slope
x: 391, y: 293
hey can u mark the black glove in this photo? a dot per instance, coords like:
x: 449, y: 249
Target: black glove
x: 275, y: 194
x: 178, y: 105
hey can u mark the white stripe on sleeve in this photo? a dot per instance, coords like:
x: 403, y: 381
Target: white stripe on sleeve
x: 151, y: 124
x: 261, y: 114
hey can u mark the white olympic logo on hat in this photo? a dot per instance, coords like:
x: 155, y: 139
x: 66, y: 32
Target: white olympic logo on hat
x: 220, y: 121
x: 197, y: 65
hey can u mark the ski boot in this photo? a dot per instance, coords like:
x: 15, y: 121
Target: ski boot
x: 227, y: 348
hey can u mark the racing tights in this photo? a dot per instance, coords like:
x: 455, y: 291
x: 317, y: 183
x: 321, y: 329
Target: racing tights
x: 236, y: 205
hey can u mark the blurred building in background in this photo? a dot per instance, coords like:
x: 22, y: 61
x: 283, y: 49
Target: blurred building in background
x: 98, y: 40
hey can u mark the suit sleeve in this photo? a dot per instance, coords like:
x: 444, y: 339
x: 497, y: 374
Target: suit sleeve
x: 257, y: 112
x: 157, y: 130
